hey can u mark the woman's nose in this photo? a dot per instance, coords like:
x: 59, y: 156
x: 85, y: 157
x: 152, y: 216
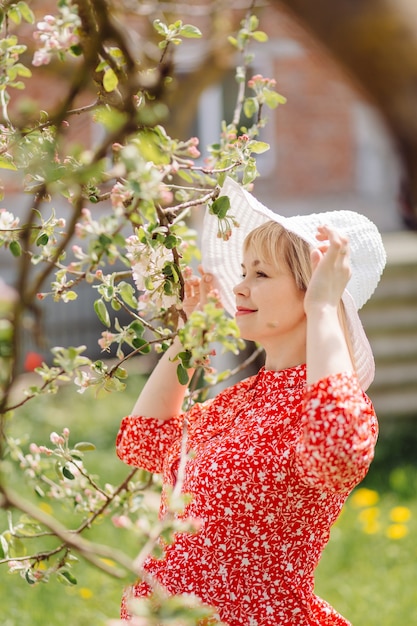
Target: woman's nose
x: 241, y: 288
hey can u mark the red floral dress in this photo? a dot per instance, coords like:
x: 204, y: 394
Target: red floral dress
x: 273, y: 463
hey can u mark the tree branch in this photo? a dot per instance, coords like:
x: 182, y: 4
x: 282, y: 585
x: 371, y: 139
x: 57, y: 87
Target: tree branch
x: 91, y: 552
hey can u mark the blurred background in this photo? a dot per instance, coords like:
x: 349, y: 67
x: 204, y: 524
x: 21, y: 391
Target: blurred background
x: 330, y: 149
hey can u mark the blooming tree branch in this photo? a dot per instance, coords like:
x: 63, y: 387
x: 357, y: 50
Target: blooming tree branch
x: 126, y: 235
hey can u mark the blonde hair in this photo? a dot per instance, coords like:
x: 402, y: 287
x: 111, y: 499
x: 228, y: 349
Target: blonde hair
x: 272, y: 243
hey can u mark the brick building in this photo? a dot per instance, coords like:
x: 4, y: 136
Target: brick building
x: 329, y: 146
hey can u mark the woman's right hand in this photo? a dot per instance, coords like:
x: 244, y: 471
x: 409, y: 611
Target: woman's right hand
x: 196, y: 289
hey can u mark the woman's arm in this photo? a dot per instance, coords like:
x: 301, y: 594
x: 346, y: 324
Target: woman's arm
x: 163, y: 395
x: 327, y: 347
x: 338, y: 435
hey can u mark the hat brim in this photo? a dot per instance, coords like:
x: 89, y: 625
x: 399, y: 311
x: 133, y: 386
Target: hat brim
x: 223, y: 259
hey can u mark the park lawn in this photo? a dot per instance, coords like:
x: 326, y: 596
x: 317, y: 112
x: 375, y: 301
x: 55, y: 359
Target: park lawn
x: 369, y: 578
x: 369, y: 567
x: 368, y: 570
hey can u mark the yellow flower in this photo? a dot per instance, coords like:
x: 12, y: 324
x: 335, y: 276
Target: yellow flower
x: 364, y: 497
x: 396, y: 531
x: 400, y: 514
x: 46, y: 508
x: 369, y: 515
x: 85, y: 593
x: 41, y: 566
x: 371, y: 527
x: 108, y: 562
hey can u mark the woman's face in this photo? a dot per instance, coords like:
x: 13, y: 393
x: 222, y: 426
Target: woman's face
x: 269, y: 305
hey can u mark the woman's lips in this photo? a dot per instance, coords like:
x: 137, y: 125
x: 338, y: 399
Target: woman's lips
x: 243, y: 311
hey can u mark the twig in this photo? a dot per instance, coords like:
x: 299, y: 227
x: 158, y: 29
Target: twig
x: 242, y: 84
x: 190, y: 203
x: 122, y: 487
x: 91, y: 552
x: 33, y: 395
x: 233, y: 372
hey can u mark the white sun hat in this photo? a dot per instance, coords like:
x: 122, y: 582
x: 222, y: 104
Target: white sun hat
x: 223, y: 258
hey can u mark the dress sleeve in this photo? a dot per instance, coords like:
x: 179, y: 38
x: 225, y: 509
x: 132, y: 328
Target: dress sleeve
x: 144, y: 441
x: 339, y: 432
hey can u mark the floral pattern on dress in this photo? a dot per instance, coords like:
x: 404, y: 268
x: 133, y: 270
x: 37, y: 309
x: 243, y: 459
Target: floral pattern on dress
x: 273, y: 462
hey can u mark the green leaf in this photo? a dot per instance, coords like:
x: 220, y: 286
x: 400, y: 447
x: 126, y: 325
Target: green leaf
x: 67, y: 473
x: 83, y: 446
x: 250, y: 107
x: 14, y: 14
x: 127, y: 293
x: 185, y: 176
x: 42, y: 240
x: 258, y: 147
x: 6, y: 164
x: 113, y: 384
x: 29, y: 578
x: 15, y: 248
x: 137, y: 328
x: 189, y: 31
x: 250, y: 172
x: 101, y: 312
x: 4, y: 547
x: 220, y: 207
x: 273, y: 99
x: 160, y: 28
x: 105, y: 240
x: 141, y: 344
x: 66, y: 577
x: 110, y: 118
x: 26, y: 12
x: 260, y: 36
x: 121, y: 372
x: 115, y: 305
x: 17, y: 85
x: 253, y: 22
x: 185, y: 357
x: 182, y: 374
x: 22, y: 70
x: 76, y: 50
x: 68, y: 296
x: 170, y: 242
x: 29, y: 530
x: 110, y: 80
x: 16, y: 548
x: 171, y: 271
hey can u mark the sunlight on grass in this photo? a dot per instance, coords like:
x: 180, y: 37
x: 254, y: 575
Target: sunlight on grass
x: 370, y: 561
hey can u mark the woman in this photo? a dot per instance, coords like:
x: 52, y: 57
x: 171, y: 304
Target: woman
x: 276, y: 455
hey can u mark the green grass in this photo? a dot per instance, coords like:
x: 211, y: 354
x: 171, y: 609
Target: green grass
x: 367, y: 575
x: 368, y: 571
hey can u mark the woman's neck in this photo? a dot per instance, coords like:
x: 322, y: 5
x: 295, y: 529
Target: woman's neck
x: 281, y: 356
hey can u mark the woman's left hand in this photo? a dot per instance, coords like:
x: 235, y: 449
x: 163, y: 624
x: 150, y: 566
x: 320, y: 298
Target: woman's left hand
x: 330, y: 269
